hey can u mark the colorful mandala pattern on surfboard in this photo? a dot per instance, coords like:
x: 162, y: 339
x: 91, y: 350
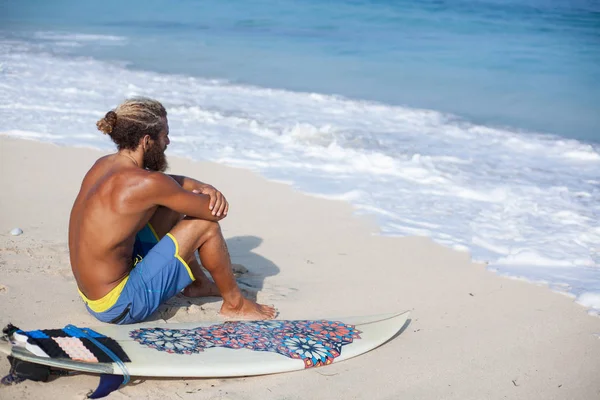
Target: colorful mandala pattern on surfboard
x: 316, y: 343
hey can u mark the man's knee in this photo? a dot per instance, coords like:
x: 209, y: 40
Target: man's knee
x: 204, y: 229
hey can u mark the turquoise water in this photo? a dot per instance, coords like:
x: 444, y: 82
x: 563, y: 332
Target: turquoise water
x: 532, y: 65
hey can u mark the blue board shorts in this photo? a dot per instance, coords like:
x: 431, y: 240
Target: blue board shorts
x: 158, y: 274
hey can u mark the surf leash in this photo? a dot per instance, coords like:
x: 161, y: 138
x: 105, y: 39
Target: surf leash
x: 84, y: 333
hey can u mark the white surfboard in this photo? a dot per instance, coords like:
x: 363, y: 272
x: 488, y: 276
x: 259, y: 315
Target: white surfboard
x: 215, y: 349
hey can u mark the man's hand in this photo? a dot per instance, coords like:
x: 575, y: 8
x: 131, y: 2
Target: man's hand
x: 218, y: 204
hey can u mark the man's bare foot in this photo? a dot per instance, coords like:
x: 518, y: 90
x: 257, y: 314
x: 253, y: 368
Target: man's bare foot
x: 249, y: 310
x: 204, y: 288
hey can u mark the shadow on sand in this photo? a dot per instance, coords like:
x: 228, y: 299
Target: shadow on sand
x: 249, y: 268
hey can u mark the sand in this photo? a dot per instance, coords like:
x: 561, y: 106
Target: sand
x: 472, y: 334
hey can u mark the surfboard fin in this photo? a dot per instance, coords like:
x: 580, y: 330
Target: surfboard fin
x: 108, y: 384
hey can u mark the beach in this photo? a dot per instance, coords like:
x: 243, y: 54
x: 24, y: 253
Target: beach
x: 472, y: 334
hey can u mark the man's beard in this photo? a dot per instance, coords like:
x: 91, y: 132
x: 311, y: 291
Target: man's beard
x: 155, y: 159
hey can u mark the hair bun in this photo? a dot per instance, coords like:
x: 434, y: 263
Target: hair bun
x: 107, y: 124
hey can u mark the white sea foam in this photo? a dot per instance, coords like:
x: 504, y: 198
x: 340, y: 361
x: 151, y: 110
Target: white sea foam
x: 589, y: 299
x: 527, y: 204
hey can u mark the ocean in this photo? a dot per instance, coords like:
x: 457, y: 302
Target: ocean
x: 475, y: 123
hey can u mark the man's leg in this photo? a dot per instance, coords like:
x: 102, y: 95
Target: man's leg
x: 206, y: 237
x: 163, y: 220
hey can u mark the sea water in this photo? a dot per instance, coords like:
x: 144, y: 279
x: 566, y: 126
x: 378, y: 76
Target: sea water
x: 475, y: 123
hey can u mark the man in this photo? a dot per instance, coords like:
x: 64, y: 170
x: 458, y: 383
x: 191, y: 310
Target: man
x: 134, y: 230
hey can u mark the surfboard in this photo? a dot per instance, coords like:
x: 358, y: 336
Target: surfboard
x: 203, y: 349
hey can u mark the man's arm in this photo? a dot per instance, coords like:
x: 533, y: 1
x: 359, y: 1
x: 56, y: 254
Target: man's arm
x: 186, y: 183
x: 162, y: 190
x: 218, y: 203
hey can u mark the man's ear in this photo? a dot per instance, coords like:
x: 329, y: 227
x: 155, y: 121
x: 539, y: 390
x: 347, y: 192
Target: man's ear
x: 146, y: 142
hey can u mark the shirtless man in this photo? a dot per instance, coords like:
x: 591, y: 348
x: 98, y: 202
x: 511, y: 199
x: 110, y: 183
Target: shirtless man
x: 134, y: 230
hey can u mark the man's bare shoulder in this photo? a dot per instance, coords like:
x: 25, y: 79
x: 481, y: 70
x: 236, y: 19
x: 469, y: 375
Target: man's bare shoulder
x: 158, y: 179
x: 147, y: 182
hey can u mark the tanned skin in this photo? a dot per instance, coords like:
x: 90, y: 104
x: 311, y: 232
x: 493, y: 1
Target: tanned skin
x: 120, y: 195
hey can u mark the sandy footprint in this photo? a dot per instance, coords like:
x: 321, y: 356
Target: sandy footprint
x: 29, y: 256
x: 239, y: 270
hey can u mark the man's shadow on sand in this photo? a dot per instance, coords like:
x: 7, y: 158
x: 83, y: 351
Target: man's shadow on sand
x: 249, y: 268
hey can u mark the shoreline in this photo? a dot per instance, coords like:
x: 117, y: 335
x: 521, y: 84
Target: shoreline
x: 589, y: 302
x: 473, y: 333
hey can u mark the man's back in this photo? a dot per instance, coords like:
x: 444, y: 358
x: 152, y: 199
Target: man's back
x: 103, y: 223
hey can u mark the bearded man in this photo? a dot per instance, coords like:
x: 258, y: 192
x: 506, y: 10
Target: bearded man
x: 134, y: 230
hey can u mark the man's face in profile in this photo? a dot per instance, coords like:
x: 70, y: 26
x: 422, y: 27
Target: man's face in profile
x: 155, y: 158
